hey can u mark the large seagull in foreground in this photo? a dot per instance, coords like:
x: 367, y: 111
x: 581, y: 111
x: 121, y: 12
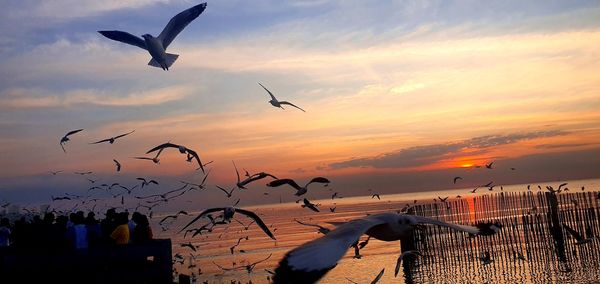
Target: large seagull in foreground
x: 157, y: 46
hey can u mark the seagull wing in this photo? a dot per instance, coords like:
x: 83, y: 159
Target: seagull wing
x: 195, y: 155
x: 73, y: 132
x: 125, y: 37
x: 202, y: 214
x: 278, y: 182
x: 425, y: 220
x: 178, y: 23
x: 376, y: 280
x: 103, y: 140
x: 319, y: 180
x: 259, y: 222
x: 401, y: 257
x: 119, y: 136
x: 310, y: 261
x: 162, y: 146
x: 270, y: 94
x: 291, y: 104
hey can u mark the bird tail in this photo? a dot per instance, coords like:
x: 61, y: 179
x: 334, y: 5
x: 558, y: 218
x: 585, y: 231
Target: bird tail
x: 169, y: 60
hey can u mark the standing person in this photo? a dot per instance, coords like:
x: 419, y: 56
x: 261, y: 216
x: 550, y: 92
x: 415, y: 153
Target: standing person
x: 142, y: 231
x: 5, y: 232
x: 77, y: 233
x: 94, y: 229
x: 120, y: 235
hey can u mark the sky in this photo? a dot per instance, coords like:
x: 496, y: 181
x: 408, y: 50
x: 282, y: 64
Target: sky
x: 399, y: 96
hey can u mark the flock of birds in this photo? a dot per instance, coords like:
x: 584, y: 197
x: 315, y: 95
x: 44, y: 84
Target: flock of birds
x: 306, y: 263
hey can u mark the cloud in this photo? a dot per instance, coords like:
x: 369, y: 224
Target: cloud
x: 19, y: 98
x: 429, y: 154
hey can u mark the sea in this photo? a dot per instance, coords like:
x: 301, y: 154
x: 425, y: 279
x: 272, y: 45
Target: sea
x: 457, y: 261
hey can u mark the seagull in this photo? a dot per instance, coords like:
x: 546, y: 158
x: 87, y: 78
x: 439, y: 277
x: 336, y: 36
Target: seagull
x: 65, y: 138
x: 274, y: 102
x: 332, y: 209
x: 182, y: 150
x: 443, y: 199
x: 456, y: 178
x: 112, y: 139
x: 489, y: 166
x: 378, y: 277
x: 320, y: 228
x: 157, y: 46
x: 229, y: 193
x: 310, y: 261
x: 376, y: 195
x: 299, y: 190
x: 309, y: 205
x: 155, y: 159
x: 401, y: 257
x: 228, y: 213
x: 181, y: 212
x: 249, y: 178
x: 145, y: 182
x: 189, y: 245
x: 118, y: 165
x: 56, y: 172
x: 83, y: 173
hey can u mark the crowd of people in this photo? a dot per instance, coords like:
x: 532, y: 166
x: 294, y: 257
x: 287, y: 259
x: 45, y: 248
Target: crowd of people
x: 75, y: 231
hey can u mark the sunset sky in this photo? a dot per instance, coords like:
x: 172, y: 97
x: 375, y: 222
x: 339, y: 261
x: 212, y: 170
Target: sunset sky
x: 399, y: 95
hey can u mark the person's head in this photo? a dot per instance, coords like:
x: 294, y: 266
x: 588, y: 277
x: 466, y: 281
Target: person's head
x: 91, y: 218
x: 111, y: 213
x: 136, y: 216
x: 49, y: 218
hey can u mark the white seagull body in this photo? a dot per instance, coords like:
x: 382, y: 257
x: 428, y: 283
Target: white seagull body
x: 157, y: 46
x: 310, y: 261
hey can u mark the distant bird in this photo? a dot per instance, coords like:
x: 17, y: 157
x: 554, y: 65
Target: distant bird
x: 518, y: 256
x: 83, y: 173
x: 60, y: 198
x: 299, y: 190
x: 56, y: 172
x: 118, y: 165
x: 174, y: 216
x: 376, y: 195
x: 309, y: 205
x: 489, y: 166
x: 378, y: 277
x: 308, y: 262
x: 443, y: 199
x: 561, y: 185
x: 229, y: 193
x: 577, y: 236
x: 512, y: 169
x: 334, y: 195
x: 228, y: 213
x: 65, y: 138
x: 189, y: 245
x: 332, y: 209
x: 237, y: 244
x: 485, y: 258
x: 155, y: 159
x: 156, y: 46
x: 146, y: 182
x: 249, y: 178
x: 401, y: 257
x: 320, y: 228
x: 112, y: 139
x: 92, y: 180
x: 182, y: 149
x: 274, y: 102
x: 455, y: 179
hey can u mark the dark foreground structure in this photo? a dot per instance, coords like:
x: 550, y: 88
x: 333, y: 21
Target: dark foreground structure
x: 135, y: 263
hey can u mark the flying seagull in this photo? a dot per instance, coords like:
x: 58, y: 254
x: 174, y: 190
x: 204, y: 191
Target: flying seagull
x: 157, y: 46
x: 455, y: 179
x: 577, y: 236
x: 228, y: 213
x: 65, y: 138
x: 378, y: 277
x: 112, y: 140
x: 118, y: 165
x: 309, y: 205
x: 489, y: 166
x: 182, y: 149
x: 274, y: 102
x: 312, y: 260
x: 292, y: 183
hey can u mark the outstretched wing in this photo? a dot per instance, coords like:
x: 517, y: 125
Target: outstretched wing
x: 195, y: 155
x: 259, y: 222
x: 160, y: 147
x: 73, y: 132
x: 310, y: 261
x: 103, y: 140
x: 119, y: 136
x: 319, y: 180
x: 278, y: 182
x: 376, y: 280
x: 202, y: 214
x: 270, y: 94
x: 462, y: 228
x: 125, y: 38
x: 178, y: 23
x: 291, y: 104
